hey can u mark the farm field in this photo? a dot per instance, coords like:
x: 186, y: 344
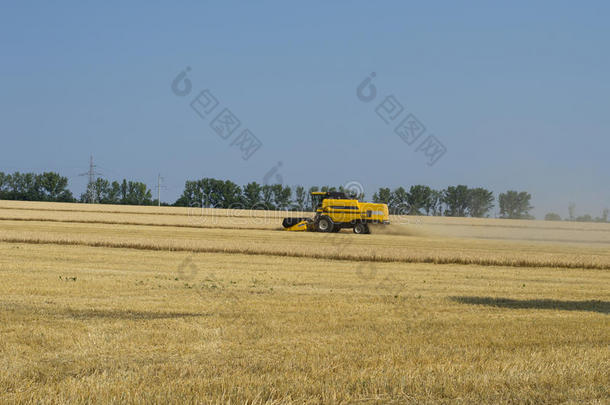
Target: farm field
x: 183, y: 305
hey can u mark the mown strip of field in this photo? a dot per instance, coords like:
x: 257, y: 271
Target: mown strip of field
x: 227, y: 223
x: 282, y: 253
x: 343, y: 246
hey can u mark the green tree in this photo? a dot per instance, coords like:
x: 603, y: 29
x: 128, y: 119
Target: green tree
x: 89, y: 196
x: 24, y: 187
x: 456, y: 199
x: 252, y: 195
x: 383, y: 196
x: 4, y: 186
x: 206, y: 187
x: 114, y: 193
x: 32, y: 187
x: 191, y: 195
x: 212, y: 192
x: 97, y: 192
x: 311, y: 201
x: 399, y: 204
x: 124, y: 191
x: 480, y: 201
x: 584, y: 218
x: 230, y: 194
x: 328, y: 189
x: 204, y: 192
x: 418, y: 198
x: 300, y: 198
x: 268, y: 197
x: 48, y: 186
x: 107, y: 193
x: 515, y: 205
x: 54, y: 187
x: 281, y: 196
x: 138, y: 194
x: 435, y: 206
x: 551, y: 216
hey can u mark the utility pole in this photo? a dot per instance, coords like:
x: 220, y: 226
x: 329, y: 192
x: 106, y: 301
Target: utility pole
x: 159, y: 180
x: 91, y: 173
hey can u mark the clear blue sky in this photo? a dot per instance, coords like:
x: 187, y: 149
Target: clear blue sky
x: 518, y: 93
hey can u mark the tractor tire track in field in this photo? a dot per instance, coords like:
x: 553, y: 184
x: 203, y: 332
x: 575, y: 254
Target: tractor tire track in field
x: 478, y: 261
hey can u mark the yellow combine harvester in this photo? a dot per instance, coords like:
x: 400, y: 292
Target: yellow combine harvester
x: 335, y: 211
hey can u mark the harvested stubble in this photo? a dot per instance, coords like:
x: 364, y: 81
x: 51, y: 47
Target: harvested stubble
x: 342, y: 246
x: 99, y: 312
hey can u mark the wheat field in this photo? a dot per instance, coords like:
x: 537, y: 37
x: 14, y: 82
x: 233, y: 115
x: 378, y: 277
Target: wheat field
x: 123, y: 304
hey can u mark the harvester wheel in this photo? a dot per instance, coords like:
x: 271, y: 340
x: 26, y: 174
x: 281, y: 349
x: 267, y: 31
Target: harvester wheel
x: 361, y: 228
x: 324, y: 224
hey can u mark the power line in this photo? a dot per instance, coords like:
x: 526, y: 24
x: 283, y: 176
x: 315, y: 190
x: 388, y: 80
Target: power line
x: 91, y: 190
x: 159, y: 180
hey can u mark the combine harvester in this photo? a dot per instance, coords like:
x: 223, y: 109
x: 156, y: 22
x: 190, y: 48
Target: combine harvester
x: 335, y: 211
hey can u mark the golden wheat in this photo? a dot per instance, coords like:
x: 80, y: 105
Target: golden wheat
x: 342, y: 246
x: 168, y: 312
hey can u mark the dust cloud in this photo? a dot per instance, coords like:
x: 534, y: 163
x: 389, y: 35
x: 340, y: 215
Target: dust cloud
x: 398, y: 230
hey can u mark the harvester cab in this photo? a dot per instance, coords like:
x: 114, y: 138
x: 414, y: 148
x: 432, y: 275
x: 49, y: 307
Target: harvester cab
x: 335, y: 211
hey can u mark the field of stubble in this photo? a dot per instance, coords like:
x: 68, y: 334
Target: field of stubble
x: 172, y: 305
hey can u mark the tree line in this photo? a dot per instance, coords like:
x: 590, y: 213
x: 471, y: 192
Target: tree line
x: 51, y: 186
x: 208, y: 192
x: 455, y: 201
x: 551, y: 216
x: 127, y: 192
x: 48, y: 186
